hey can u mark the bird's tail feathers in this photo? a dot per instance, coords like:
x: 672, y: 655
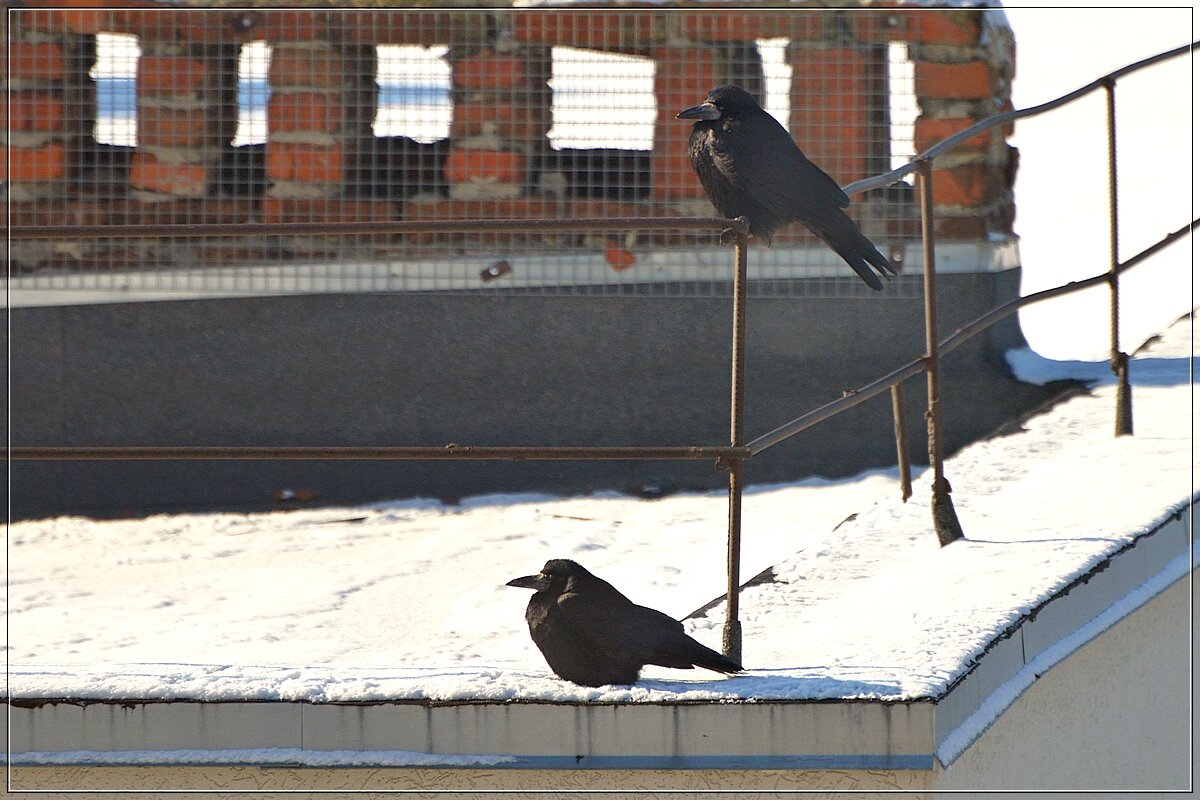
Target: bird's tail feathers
x: 844, y: 237
x: 718, y: 663
x: 684, y: 652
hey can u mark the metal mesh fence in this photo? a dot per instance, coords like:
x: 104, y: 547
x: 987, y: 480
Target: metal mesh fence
x: 182, y: 116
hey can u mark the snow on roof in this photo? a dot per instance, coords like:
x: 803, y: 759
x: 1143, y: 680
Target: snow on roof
x: 406, y: 600
x: 262, y: 757
x: 879, y: 609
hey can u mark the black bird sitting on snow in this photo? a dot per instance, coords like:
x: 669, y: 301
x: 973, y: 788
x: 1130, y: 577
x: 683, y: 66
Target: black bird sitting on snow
x: 593, y: 635
x: 750, y: 167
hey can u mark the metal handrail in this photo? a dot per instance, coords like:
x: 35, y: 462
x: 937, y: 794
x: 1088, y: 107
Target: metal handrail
x: 946, y: 523
x: 950, y: 142
x: 732, y: 457
x: 948, y: 345
x: 381, y: 228
x: 450, y: 452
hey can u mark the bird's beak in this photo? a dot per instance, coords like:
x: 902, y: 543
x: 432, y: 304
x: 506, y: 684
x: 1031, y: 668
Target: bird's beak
x: 702, y: 111
x: 537, y: 582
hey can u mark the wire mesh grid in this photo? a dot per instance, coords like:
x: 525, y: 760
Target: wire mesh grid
x: 221, y: 116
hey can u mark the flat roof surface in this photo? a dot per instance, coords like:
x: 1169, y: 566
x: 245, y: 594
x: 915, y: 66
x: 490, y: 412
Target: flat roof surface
x: 866, y: 631
x: 328, y: 605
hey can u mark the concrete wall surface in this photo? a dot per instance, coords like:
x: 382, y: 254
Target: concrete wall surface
x: 761, y: 734
x: 1114, y: 715
x: 429, y: 369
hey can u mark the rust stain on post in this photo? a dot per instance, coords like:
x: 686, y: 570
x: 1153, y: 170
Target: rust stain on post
x: 945, y: 520
x: 900, y: 425
x: 731, y: 635
x: 1118, y: 361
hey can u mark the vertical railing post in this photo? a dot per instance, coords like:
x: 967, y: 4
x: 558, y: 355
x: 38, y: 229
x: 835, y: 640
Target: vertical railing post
x: 731, y: 635
x: 900, y: 426
x: 1118, y: 361
x: 945, y: 519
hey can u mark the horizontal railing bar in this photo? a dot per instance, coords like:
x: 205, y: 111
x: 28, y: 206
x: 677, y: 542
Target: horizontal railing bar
x: 885, y: 179
x: 386, y: 227
x: 470, y: 453
x: 450, y: 452
x: 949, y: 344
x: 458, y: 452
x: 835, y: 407
x: 1169, y: 239
x: 998, y: 313
x: 950, y: 142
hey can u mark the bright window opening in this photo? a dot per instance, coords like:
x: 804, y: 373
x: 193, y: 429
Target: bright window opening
x: 414, y: 92
x: 778, y: 75
x: 115, y: 74
x: 602, y: 100
x: 902, y: 100
x: 254, y: 91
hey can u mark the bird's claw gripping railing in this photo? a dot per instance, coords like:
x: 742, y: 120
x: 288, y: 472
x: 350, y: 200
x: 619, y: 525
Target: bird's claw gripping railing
x: 736, y: 232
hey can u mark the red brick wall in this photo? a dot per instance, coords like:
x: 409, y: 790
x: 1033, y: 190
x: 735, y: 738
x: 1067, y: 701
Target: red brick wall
x: 683, y: 76
x: 35, y: 127
x: 501, y: 109
x: 831, y: 116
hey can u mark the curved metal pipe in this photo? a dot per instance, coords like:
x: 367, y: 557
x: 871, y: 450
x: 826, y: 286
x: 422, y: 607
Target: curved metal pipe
x: 950, y: 142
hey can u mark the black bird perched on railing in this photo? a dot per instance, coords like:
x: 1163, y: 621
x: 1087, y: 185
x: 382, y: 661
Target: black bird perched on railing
x: 593, y: 635
x: 750, y: 167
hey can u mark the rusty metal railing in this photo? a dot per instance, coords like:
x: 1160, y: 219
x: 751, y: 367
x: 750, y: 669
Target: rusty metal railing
x: 450, y: 452
x: 733, y: 456
x: 386, y: 227
x: 945, y: 519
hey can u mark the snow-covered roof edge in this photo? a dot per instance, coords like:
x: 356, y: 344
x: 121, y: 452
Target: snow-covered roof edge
x: 1179, y: 514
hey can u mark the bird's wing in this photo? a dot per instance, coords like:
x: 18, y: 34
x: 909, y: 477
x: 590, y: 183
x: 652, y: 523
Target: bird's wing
x: 761, y: 158
x: 612, y: 624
